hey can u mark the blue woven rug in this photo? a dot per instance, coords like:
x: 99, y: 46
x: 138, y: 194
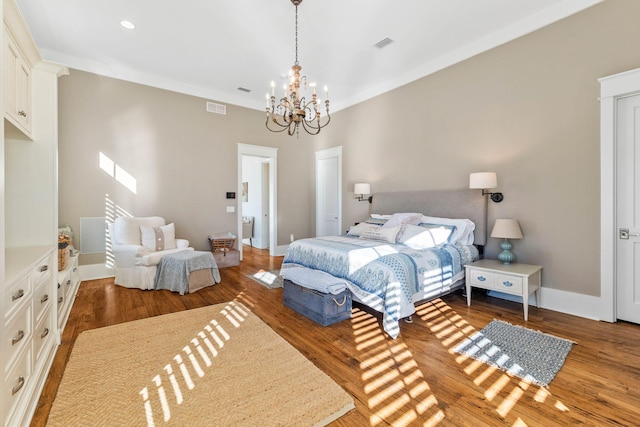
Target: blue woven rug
x: 531, y: 355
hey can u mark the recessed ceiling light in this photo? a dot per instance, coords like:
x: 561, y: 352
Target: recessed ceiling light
x: 127, y: 24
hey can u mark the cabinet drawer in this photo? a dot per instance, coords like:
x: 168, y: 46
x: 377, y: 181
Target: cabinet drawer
x: 16, y: 294
x: 42, y: 334
x: 15, y: 385
x: 508, y: 284
x: 482, y: 279
x: 42, y: 298
x: 17, y: 333
x: 42, y: 270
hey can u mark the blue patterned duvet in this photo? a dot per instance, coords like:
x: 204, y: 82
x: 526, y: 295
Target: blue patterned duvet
x: 389, y: 278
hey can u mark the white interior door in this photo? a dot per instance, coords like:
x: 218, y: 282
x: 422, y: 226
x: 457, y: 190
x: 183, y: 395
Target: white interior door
x: 628, y: 208
x: 328, y: 192
x: 265, y: 205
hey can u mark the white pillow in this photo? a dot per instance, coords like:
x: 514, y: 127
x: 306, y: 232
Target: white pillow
x: 425, y: 236
x: 358, y: 229
x: 127, y: 231
x: 383, y: 234
x: 158, y: 238
x: 464, y: 228
x: 402, y: 219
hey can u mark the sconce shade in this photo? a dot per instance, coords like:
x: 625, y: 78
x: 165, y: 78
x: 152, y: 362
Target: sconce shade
x: 362, y: 188
x: 482, y: 180
x: 506, y: 229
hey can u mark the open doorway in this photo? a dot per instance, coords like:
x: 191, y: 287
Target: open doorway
x: 257, y: 167
x: 255, y: 201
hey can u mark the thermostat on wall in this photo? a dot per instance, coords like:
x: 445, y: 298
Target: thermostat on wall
x: 231, y: 194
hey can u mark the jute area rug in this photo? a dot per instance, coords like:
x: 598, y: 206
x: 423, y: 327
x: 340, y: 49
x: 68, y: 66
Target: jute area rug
x: 213, y: 366
x: 531, y: 355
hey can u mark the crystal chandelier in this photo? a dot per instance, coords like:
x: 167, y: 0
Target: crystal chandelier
x: 293, y: 110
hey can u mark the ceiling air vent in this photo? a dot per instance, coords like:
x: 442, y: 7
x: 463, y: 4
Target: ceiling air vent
x: 212, y: 107
x: 384, y: 42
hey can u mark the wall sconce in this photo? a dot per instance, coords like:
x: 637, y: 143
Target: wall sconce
x: 506, y: 229
x: 484, y: 180
x: 361, y: 190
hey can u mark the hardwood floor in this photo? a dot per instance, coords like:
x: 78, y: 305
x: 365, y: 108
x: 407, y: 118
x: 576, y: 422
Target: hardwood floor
x: 415, y: 379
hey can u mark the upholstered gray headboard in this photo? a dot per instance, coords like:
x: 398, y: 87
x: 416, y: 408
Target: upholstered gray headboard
x: 469, y: 204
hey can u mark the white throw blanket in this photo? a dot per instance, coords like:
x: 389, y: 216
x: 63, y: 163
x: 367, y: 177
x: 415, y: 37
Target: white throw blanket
x: 314, y: 279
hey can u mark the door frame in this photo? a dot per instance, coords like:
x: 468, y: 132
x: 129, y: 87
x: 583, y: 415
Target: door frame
x: 270, y: 153
x: 611, y: 89
x: 322, y: 155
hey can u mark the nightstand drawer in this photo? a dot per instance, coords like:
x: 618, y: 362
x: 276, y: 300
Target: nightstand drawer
x: 508, y: 284
x: 482, y: 279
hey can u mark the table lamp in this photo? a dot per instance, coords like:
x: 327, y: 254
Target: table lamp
x: 506, y: 229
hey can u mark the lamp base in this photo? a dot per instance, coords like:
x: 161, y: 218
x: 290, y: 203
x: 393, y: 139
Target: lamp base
x: 506, y: 256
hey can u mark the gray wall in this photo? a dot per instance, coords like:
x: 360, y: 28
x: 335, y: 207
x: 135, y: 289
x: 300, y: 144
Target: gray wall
x: 183, y: 158
x: 527, y: 110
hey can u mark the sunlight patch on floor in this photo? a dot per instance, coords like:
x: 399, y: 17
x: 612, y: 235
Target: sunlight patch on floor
x: 397, y: 392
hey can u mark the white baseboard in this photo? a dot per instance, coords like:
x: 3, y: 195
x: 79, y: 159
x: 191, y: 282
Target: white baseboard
x: 580, y: 305
x: 95, y: 271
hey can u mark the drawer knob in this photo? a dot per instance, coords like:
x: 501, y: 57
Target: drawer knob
x: 482, y: 278
x: 44, y: 333
x: 44, y: 299
x: 19, y: 386
x: 22, y: 113
x: 68, y: 282
x: 15, y: 340
x: 17, y: 295
x: 43, y: 268
x: 507, y: 283
x: 60, y: 299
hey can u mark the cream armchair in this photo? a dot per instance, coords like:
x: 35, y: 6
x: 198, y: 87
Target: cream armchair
x: 137, y: 245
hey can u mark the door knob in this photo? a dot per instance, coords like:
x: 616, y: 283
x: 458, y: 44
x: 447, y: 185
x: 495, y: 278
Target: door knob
x: 624, y: 234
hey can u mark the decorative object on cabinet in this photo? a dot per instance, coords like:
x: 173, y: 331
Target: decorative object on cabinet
x: 361, y: 190
x: 484, y: 180
x: 293, y: 109
x: 506, y: 229
x: 137, y: 250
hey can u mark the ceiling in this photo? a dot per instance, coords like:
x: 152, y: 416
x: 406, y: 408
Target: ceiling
x: 210, y: 48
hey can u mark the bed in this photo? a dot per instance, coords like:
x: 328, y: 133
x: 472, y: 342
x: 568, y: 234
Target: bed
x: 411, y: 249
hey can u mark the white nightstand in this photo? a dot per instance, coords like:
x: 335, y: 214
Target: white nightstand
x: 515, y: 279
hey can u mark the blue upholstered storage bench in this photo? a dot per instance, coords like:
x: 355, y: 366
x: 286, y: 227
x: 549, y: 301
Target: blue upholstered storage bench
x: 324, y: 309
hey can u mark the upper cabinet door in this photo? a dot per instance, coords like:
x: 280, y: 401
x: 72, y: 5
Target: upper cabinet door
x: 17, y: 88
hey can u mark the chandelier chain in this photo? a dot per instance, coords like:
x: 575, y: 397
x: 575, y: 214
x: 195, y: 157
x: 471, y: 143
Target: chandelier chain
x: 296, y: 63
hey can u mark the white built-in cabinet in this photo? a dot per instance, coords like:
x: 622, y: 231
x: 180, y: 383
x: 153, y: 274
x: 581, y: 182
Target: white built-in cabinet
x: 31, y: 318
x: 67, y: 287
x: 17, y: 91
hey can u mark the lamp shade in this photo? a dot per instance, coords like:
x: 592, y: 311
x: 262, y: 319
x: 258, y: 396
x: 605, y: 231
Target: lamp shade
x: 506, y: 229
x: 482, y: 180
x: 362, y: 188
